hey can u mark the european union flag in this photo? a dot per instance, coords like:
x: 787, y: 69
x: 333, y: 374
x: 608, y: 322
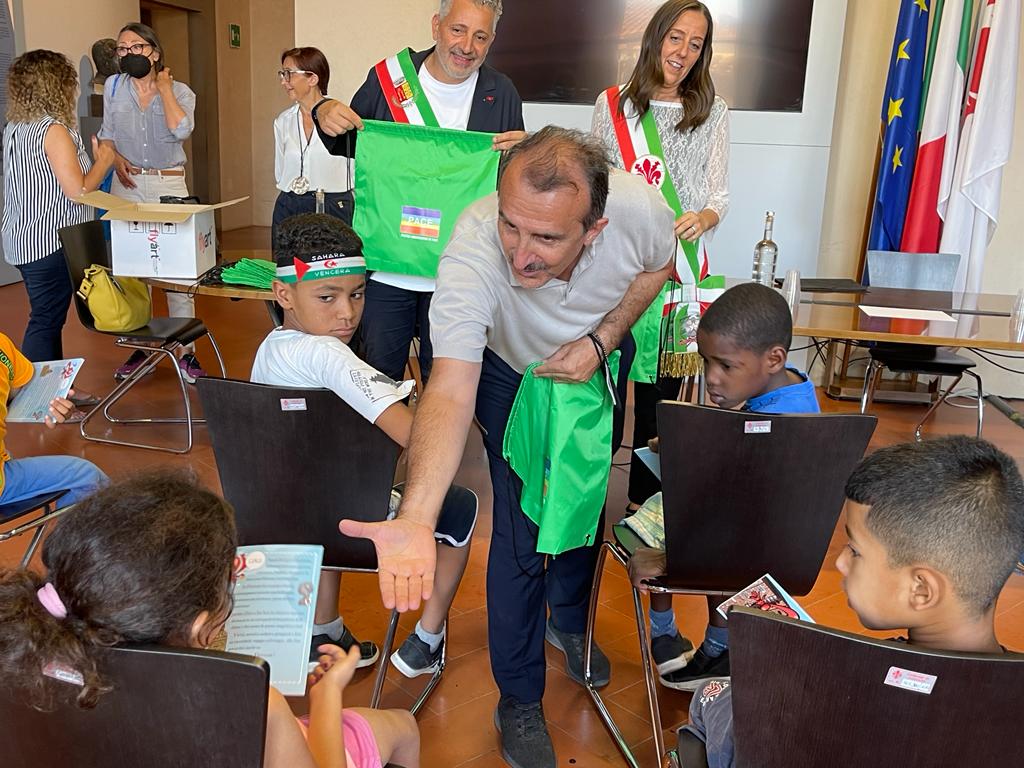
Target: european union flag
x: 901, y: 107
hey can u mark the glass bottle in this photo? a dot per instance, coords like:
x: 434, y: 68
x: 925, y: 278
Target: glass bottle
x: 766, y: 253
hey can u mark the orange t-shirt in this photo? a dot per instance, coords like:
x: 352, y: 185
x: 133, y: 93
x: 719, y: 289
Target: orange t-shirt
x: 15, y: 371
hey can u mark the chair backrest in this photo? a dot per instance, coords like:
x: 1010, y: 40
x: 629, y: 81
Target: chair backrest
x: 84, y: 245
x: 923, y: 271
x: 169, y: 707
x: 750, y: 493
x: 810, y: 695
x: 293, y: 462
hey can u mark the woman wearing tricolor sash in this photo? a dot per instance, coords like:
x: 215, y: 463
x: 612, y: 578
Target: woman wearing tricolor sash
x: 667, y: 125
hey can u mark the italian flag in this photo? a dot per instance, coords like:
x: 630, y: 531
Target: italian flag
x: 972, y: 211
x: 940, y: 127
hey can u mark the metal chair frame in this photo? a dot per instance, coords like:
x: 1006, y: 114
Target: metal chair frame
x: 46, y: 502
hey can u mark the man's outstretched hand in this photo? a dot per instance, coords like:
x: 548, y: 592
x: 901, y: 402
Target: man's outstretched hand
x: 406, y: 558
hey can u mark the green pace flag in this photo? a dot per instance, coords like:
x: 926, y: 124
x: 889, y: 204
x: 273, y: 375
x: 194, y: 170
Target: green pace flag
x: 559, y: 442
x: 412, y: 182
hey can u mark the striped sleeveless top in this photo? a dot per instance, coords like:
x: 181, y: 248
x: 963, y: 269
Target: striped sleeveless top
x: 35, y: 206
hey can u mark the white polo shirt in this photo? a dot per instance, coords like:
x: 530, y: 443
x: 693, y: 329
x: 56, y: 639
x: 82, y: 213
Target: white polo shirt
x: 479, y: 303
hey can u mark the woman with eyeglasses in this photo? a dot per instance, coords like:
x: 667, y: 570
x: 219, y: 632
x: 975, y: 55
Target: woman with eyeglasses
x: 147, y: 117
x: 302, y: 165
x: 45, y: 168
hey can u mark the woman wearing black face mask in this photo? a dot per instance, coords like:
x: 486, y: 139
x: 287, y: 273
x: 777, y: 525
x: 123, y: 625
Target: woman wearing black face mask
x: 147, y: 116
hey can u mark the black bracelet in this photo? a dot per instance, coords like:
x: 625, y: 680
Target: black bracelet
x: 602, y: 355
x: 312, y: 112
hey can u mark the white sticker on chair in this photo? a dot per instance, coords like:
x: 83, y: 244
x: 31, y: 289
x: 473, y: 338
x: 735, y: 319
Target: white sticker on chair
x: 910, y: 680
x: 757, y: 427
x: 293, y: 403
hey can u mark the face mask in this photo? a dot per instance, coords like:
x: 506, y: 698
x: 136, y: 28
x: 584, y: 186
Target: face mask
x: 136, y: 65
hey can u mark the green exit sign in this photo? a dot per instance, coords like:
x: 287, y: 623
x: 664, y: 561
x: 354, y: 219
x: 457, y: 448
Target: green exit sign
x: 235, y: 35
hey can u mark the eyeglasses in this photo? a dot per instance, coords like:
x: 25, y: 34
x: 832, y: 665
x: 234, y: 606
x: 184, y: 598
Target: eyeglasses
x: 137, y: 48
x: 286, y: 74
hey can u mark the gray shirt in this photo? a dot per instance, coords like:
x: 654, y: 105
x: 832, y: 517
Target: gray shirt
x: 142, y: 136
x: 479, y: 303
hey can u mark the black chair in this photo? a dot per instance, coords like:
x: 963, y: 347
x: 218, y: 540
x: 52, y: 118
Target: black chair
x: 794, y: 683
x: 45, y: 504
x: 280, y: 452
x: 85, y: 245
x: 169, y: 707
x: 929, y: 272
x: 744, y: 494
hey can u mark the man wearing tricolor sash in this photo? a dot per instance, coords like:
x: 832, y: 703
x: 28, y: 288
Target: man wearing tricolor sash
x: 554, y: 268
x: 447, y: 86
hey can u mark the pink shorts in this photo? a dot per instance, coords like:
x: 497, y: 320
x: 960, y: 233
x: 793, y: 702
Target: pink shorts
x: 361, y: 749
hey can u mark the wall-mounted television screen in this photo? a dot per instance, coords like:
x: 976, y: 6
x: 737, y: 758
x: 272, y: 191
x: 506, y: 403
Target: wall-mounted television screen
x: 569, y: 51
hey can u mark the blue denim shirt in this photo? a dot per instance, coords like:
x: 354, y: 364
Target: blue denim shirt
x: 793, y: 398
x: 143, y: 137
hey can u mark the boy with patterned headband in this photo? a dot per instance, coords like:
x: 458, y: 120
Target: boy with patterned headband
x: 321, y: 279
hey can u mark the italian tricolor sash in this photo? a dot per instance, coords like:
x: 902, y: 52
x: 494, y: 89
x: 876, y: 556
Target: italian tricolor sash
x: 403, y: 92
x: 668, y: 329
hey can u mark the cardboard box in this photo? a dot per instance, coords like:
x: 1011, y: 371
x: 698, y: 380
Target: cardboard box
x: 159, y: 239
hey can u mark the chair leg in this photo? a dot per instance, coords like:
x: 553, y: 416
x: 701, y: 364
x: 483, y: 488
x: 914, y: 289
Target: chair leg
x: 872, y: 376
x: 216, y: 351
x: 934, y: 406
x: 981, y: 400
x: 588, y: 641
x: 154, y: 356
x: 382, y: 671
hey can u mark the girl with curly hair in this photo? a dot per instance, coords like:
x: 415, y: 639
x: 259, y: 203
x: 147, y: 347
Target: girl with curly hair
x: 45, y: 169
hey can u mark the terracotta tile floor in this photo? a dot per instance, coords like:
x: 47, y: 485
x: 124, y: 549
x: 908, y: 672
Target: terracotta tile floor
x: 457, y: 723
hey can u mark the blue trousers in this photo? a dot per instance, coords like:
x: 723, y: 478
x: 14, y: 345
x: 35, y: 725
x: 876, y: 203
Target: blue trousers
x: 49, y: 296
x: 35, y: 475
x: 523, y: 584
x: 392, y: 317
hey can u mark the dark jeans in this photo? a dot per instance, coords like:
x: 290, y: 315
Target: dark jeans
x: 642, y: 482
x: 520, y: 588
x: 391, y: 318
x: 337, y: 204
x: 49, y: 296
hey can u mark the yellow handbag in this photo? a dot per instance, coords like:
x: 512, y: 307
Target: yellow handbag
x: 116, y: 303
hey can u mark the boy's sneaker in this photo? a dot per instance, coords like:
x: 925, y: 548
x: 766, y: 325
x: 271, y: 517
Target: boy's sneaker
x: 131, y: 365
x: 702, y: 667
x: 572, y: 646
x: 525, y: 741
x: 414, y: 658
x: 368, y: 651
x: 671, y: 652
x: 190, y: 368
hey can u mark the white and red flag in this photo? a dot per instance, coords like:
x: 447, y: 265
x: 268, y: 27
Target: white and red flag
x: 985, y: 140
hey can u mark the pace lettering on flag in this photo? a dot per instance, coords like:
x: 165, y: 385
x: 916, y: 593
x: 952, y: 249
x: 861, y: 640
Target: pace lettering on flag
x: 901, y: 107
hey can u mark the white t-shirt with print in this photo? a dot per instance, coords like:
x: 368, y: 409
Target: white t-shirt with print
x: 289, y: 358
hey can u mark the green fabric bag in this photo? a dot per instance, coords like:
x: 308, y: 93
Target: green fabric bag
x: 412, y: 182
x: 559, y: 442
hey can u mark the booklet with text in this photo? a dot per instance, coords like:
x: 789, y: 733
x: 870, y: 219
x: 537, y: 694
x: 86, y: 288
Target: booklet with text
x: 53, y: 378
x: 768, y: 595
x: 274, y: 598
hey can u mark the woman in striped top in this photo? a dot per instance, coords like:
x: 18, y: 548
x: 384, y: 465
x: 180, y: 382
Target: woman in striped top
x: 45, y: 168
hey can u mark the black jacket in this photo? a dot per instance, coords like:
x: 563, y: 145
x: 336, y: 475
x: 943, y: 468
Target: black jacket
x: 496, y: 106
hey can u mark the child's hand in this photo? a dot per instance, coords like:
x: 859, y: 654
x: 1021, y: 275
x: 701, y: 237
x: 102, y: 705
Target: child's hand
x: 646, y: 563
x: 654, y: 443
x: 336, y: 667
x: 60, y: 410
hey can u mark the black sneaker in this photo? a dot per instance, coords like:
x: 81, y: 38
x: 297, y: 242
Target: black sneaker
x: 368, y: 651
x: 414, y: 657
x: 671, y: 652
x: 572, y: 646
x: 702, y: 667
x: 525, y: 741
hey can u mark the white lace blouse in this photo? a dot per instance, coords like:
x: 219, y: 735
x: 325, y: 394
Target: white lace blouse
x: 698, y: 160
